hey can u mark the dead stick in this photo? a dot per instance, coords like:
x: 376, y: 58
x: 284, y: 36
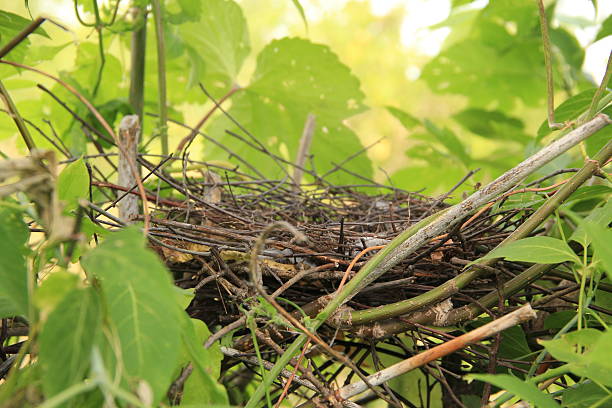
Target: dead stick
x: 129, y: 134
x: 518, y: 316
x: 305, y: 141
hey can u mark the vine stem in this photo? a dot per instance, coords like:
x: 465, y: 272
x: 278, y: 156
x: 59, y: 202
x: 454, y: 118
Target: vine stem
x: 430, y: 227
x: 161, y: 75
x: 137, y: 66
x: 17, y: 118
x: 549, y: 72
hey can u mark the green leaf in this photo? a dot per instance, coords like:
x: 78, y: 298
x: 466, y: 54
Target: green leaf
x: 14, y: 235
x: 599, y: 216
x: 524, y: 390
x: 67, y: 338
x: 605, y: 30
x: 492, y: 124
x: 497, y: 62
x: 7, y: 309
x: 294, y: 78
x: 589, y: 192
x: 601, y: 237
x: 53, y: 289
x: 513, y: 344
x: 141, y: 306
x: 179, y: 11
x: 201, y: 387
x: 544, y: 250
x: 599, y: 139
x: 585, y: 395
x: 449, y: 140
x: 73, y: 184
x: 218, y: 43
x: 587, y: 352
x: 10, y: 25
x: 570, y: 49
x: 406, y: 119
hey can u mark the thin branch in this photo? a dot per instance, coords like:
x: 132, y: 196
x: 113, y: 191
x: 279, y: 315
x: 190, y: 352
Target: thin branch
x: 550, y: 86
x: 512, y: 319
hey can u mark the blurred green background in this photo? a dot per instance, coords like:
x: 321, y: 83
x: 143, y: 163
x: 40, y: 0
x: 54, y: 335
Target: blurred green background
x: 449, y: 86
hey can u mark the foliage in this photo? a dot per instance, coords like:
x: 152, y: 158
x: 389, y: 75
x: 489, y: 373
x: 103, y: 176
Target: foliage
x: 105, y: 323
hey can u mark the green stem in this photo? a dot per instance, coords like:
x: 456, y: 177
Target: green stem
x: 602, y: 87
x: 137, y: 70
x: 453, y: 285
x: 550, y: 87
x: 68, y: 393
x: 19, y: 122
x: 161, y: 75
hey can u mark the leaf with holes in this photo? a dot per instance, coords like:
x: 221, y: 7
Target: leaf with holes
x: 295, y: 77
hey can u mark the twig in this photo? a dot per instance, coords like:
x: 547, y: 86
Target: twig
x: 29, y: 29
x: 300, y: 159
x: 129, y: 135
x: 518, y: 316
x: 14, y: 114
x: 550, y: 87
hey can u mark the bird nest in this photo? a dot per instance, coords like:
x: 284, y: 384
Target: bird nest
x: 209, y: 241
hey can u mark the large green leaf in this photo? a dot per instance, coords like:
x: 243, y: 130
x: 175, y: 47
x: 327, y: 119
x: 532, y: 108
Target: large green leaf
x: 67, y: 338
x: 141, y: 305
x: 499, y: 61
x: 73, y: 184
x: 524, y: 390
x: 544, y: 250
x: 14, y: 235
x: 294, y: 78
x: 217, y: 44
